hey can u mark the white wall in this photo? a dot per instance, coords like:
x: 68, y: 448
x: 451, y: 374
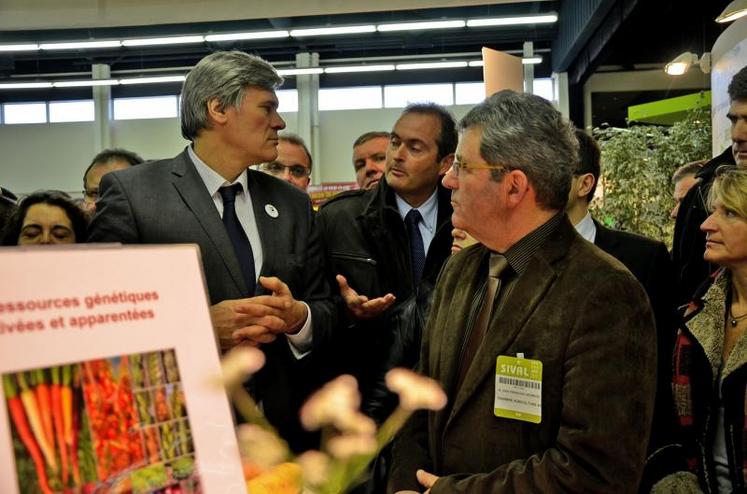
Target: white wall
x: 54, y: 156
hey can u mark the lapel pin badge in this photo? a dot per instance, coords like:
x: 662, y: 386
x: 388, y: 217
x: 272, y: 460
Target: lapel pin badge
x: 271, y: 211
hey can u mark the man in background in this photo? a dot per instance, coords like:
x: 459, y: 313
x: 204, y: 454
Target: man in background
x: 683, y: 180
x: 369, y: 158
x: 105, y: 162
x: 293, y: 163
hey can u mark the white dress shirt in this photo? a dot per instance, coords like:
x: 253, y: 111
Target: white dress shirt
x: 586, y: 228
x: 300, y: 343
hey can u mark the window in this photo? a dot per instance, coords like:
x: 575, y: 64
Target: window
x: 543, y: 87
x: 401, y: 96
x: 350, y: 98
x: 24, y: 113
x: 150, y: 107
x: 71, y: 111
x: 469, y: 93
x: 288, y: 99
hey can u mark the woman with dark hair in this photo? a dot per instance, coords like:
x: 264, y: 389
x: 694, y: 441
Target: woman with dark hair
x: 706, y: 452
x: 45, y: 217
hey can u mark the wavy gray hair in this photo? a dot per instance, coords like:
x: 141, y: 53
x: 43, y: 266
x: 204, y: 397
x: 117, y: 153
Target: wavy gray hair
x: 223, y: 75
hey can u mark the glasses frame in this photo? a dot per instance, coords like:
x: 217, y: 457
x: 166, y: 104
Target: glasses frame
x: 290, y: 168
x: 457, y: 165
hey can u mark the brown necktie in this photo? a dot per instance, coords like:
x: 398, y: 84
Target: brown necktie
x: 497, y: 264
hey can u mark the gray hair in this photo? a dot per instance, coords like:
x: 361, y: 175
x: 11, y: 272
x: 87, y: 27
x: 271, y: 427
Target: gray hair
x: 223, y: 75
x: 524, y: 132
x: 298, y: 141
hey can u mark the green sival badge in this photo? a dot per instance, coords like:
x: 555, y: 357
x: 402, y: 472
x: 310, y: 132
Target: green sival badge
x: 518, y: 389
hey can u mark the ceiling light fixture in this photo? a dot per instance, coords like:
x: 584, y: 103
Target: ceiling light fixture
x: 212, y: 38
x: 684, y: 61
x: 19, y: 47
x: 331, y: 31
x: 359, y: 68
x: 81, y: 45
x: 733, y: 11
x: 431, y: 65
x: 152, y: 80
x: 415, y: 26
x: 86, y: 83
x: 170, y: 40
x: 25, y: 85
x: 531, y: 60
x: 303, y: 71
x: 513, y: 21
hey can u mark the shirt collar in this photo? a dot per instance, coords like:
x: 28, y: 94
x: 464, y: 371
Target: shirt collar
x: 586, y: 228
x: 212, y: 179
x: 520, y: 254
x: 428, y: 210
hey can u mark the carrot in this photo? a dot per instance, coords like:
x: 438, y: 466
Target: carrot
x: 41, y: 390
x: 75, y: 428
x: 32, y: 411
x: 15, y: 407
x: 66, y: 393
x: 58, y: 427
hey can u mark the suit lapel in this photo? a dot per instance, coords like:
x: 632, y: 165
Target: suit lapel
x: 504, y: 326
x: 266, y: 225
x: 192, y: 190
x: 604, y: 238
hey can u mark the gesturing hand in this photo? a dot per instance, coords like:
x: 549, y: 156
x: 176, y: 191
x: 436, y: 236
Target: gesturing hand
x: 359, y: 305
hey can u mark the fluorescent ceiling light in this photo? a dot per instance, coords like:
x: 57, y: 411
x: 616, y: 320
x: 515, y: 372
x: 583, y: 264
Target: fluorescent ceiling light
x: 210, y: 38
x: 86, y: 83
x: 170, y: 40
x: 25, y: 85
x: 476, y: 63
x: 327, y: 31
x: 152, y: 80
x: 531, y: 60
x: 359, y: 68
x: 306, y: 71
x: 23, y: 47
x: 414, y: 26
x: 513, y: 21
x: 733, y: 11
x: 81, y: 45
x: 431, y: 65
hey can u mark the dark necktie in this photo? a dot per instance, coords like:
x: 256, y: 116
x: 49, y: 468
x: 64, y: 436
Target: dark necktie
x: 480, y: 327
x: 241, y: 245
x: 417, y: 251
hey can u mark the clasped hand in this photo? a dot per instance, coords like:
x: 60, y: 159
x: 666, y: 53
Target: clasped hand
x: 257, y: 320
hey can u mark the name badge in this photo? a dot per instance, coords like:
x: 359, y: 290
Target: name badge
x: 518, y: 389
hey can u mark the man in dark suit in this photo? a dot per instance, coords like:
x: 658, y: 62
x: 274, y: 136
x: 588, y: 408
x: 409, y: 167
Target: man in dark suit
x: 544, y: 344
x: 646, y: 258
x: 244, y: 221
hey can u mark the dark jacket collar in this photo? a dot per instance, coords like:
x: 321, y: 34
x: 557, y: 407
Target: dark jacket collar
x: 382, y: 202
x: 709, y: 169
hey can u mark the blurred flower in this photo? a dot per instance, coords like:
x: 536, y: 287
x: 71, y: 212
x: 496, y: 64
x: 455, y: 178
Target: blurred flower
x: 285, y: 478
x: 240, y: 363
x: 346, y: 446
x: 336, y: 403
x: 260, y: 447
x: 315, y: 466
x: 415, y: 392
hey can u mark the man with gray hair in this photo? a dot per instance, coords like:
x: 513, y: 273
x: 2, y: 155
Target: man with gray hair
x: 544, y: 344
x: 245, y: 222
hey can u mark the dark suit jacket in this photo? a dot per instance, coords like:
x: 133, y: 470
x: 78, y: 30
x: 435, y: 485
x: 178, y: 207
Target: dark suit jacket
x: 583, y: 315
x: 167, y: 202
x: 650, y: 263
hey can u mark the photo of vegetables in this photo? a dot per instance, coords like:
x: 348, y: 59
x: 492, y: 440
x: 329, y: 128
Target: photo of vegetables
x: 114, y: 425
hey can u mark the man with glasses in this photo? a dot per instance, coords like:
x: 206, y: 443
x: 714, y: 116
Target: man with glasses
x: 293, y: 163
x: 385, y: 247
x: 105, y: 162
x: 544, y: 344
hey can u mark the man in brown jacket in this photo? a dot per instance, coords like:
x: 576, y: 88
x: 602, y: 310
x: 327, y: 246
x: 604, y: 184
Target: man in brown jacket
x: 551, y: 383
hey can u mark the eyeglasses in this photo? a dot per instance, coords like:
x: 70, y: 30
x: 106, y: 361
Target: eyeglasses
x: 458, y: 165
x: 296, y: 171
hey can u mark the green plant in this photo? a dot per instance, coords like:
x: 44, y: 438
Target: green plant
x: 637, y: 167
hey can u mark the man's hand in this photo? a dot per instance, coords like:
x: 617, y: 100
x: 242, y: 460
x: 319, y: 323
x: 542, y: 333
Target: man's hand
x: 359, y: 305
x: 257, y: 320
x: 426, y: 480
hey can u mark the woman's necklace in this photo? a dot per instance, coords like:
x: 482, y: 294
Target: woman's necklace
x: 735, y: 319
